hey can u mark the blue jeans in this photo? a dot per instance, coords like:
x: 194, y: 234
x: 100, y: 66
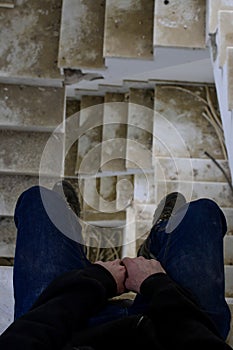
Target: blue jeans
x: 192, y: 255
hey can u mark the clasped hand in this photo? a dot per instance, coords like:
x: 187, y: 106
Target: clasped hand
x: 129, y: 273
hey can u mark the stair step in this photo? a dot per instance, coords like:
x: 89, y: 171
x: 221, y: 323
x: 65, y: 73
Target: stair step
x: 179, y: 117
x: 125, y: 191
x: 228, y: 250
x: 72, y: 107
x: 140, y: 126
x: 229, y: 340
x: 144, y: 188
x: 107, y: 197
x: 81, y: 36
x: 7, y: 237
x: 11, y: 187
x: 145, y: 212
x: 114, y: 133
x: 91, y: 196
x: 7, y: 297
x: 180, y: 24
x: 228, y: 212
x: 214, y: 6
x: 21, y: 152
x: 32, y: 53
x: 204, y: 170
x: 230, y: 77
x: 89, y: 144
x: 129, y: 239
x: 34, y: 108
x: 129, y: 29
x: 225, y: 35
x: 219, y: 192
x: 229, y: 281
x: 7, y: 3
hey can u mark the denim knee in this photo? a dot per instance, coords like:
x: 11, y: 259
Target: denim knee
x: 207, y: 208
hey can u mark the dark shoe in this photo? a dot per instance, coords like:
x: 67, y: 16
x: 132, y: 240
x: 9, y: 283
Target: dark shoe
x: 166, y: 207
x: 65, y: 189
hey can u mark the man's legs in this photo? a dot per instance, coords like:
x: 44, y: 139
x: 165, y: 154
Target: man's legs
x: 42, y: 251
x: 192, y: 255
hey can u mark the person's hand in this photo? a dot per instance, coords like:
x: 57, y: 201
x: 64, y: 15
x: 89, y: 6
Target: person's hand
x: 138, y: 269
x: 117, y: 270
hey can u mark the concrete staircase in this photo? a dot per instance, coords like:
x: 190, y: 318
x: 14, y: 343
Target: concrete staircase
x: 140, y: 80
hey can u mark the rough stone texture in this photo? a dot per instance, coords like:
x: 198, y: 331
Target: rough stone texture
x: 180, y: 129
x: 7, y: 237
x: 114, y: 132
x: 173, y: 169
x: 29, y: 107
x: 140, y: 129
x: 219, y: 192
x: 228, y: 212
x: 225, y: 27
x: 82, y: 31
x: 129, y: 241
x: 180, y: 24
x: 7, y: 298
x: 230, y: 335
x: 144, y: 188
x: 229, y: 281
x: 228, y: 249
x: 21, y: 151
x: 72, y: 107
x: 129, y: 29
x: 11, y: 187
x: 29, y: 39
x: 230, y: 77
x: 89, y: 143
x: 213, y: 7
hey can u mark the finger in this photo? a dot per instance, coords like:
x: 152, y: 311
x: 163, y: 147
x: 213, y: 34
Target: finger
x: 126, y: 261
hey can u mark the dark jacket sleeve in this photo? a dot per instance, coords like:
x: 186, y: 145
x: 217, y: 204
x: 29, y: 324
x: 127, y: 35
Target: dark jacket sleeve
x: 176, y: 318
x: 63, y: 307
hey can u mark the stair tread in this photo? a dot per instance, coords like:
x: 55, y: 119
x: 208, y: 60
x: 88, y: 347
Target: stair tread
x: 114, y: 132
x: 24, y: 106
x: 107, y: 194
x: 7, y: 298
x: 229, y: 281
x: 21, y: 151
x: 89, y: 143
x: 179, y: 117
x: 32, y: 53
x: 190, y: 169
x: 214, y: 6
x: 81, y: 37
x: 219, y: 192
x: 7, y: 236
x: 180, y: 24
x: 225, y: 36
x: 129, y: 29
x: 125, y: 191
x: 11, y: 187
x: 72, y: 107
x: 139, y: 131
